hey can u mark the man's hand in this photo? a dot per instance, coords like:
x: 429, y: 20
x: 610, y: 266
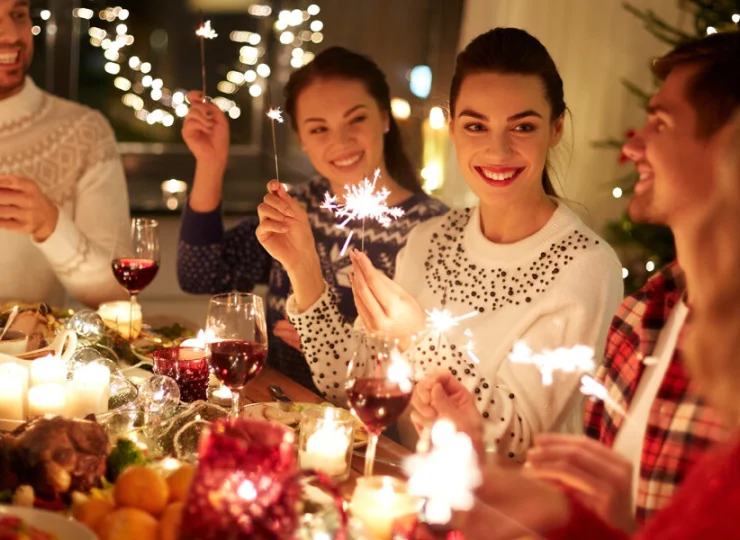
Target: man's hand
x: 24, y: 209
x: 601, y: 477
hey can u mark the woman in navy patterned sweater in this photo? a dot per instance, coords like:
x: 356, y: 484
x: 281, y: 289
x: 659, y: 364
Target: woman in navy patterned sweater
x: 339, y: 105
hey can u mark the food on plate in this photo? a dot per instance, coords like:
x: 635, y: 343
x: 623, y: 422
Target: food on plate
x: 35, y: 320
x: 15, y: 528
x: 142, y: 488
x: 24, y: 496
x: 128, y: 524
x: 170, y: 522
x: 179, y: 483
x: 124, y: 454
x: 54, y: 456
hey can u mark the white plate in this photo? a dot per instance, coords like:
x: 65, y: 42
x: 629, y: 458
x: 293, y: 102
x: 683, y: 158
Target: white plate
x: 62, y: 528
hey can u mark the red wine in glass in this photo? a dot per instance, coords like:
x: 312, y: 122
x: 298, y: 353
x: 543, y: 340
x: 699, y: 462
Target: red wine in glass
x: 379, y: 403
x: 134, y: 274
x: 236, y: 362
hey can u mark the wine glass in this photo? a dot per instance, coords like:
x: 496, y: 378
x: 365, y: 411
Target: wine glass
x: 237, y: 348
x: 135, y: 261
x: 379, y: 386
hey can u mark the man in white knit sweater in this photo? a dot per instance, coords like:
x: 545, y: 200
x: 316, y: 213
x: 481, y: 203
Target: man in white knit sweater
x: 63, y: 198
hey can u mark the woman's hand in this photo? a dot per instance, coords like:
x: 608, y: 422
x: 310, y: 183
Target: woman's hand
x: 206, y: 132
x: 284, y: 231
x: 382, y: 303
x: 441, y: 395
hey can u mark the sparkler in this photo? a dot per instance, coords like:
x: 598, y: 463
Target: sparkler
x: 204, y: 32
x: 594, y: 389
x: 446, y: 476
x: 577, y: 359
x: 275, y: 114
x: 362, y: 202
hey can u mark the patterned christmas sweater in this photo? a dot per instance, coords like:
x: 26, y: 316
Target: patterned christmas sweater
x: 556, y: 288
x: 211, y: 260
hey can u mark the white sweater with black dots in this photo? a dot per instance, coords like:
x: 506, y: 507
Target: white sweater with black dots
x: 556, y: 288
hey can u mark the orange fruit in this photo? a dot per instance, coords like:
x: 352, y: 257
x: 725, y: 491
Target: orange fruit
x: 179, y: 483
x: 142, y: 488
x: 92, y: 511
x: 128, y: 524
x: 169, y: 523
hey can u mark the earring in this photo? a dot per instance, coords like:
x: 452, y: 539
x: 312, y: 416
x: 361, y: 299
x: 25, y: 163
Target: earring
x: 387, y: 129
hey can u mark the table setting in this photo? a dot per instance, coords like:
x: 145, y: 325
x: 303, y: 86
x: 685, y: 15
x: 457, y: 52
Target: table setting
x: 118, y: 427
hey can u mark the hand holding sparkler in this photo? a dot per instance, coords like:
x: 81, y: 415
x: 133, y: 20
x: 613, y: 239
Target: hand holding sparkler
x: 285, y: 233
x: 601, y: 477
x: 440, y: 395
x: 382, y: 303
x: 206, y: 132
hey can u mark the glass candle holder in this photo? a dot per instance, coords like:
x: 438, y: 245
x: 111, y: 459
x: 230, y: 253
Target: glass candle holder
x: 122, y: 318
x: 379, y: 501
x: 188, y: 366
x: 325, y: 441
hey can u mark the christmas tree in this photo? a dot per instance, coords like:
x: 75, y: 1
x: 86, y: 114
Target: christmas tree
x: 645, y: 248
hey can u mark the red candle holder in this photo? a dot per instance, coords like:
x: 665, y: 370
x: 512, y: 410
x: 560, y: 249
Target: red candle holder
x: 188, y: 366
x: 247, y: 484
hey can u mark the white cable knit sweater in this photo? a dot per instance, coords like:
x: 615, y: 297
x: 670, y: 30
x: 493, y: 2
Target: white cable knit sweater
x: 69, y: 150
x: 559, y: 287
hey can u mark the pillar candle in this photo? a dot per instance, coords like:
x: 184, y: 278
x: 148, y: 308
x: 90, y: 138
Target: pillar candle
x: 13, y: 391
x: 48, y: 370
x: 47, y: 398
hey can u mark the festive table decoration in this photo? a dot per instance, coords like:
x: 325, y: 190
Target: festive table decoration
x: 325, y: 441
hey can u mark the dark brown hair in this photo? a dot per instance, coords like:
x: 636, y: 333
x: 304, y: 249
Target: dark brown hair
x: 340, y: 63
x: 511, y: 51
x: 714, y: 90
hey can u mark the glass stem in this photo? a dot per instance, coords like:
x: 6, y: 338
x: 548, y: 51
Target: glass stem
x: 235, y: 394
x: 132, y: 303
x: 372, y: 444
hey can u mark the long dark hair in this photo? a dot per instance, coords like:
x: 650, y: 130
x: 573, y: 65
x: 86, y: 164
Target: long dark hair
x: 511, y: 51
x: 340, y: 63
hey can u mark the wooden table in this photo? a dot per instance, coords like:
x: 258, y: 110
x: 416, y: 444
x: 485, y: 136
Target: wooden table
x: 387, y: 451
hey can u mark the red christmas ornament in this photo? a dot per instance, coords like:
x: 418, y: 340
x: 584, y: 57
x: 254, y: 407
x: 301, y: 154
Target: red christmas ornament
x: 247, y: 484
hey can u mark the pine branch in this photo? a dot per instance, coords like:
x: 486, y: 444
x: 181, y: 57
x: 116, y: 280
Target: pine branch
x: 657, y: 26
x: 636, y: 91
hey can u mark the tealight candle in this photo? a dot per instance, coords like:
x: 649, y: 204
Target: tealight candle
x: 116, y: 315
x: 325, y: 442
x: 13, y: 391
x: 378, y: 501
x: 48, y: 370
x: 89, y: 390
x: 47, y: 398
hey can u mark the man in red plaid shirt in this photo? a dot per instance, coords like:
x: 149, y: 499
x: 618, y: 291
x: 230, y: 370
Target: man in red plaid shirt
x: 640, y: 459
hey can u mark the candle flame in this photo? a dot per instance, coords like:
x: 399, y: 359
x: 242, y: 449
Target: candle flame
x: 447, y: 475
x: 205, y: 31
x: 247, y: 491
x: 275, y: 114
x: 577, y: 359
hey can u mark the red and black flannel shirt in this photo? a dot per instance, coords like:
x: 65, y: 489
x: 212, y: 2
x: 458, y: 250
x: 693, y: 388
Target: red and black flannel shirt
x: 680, y: 425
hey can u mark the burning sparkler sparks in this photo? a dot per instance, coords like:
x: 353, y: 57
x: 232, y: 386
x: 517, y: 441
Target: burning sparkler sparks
x: 594, y: 389
x: 577, y: 359
x: 204, y: 32
x: 446, y: 476
x: 362, y: 202
x: 442, y: 320
x: 275, y: 114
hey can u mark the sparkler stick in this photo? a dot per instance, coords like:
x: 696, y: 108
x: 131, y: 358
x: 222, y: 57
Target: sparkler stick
x: 275, y: 114
x: 362, y: 202
x: 204, y: 32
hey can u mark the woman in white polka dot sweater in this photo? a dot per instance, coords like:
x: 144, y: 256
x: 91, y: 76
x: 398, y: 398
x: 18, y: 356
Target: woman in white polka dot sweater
x: 525, y: 262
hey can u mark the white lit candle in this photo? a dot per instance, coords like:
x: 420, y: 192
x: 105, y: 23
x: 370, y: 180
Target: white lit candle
x: 48, y: 370
x: 117, y: 315
x: 13, y: 391
x: 47, y: 398
x: 89, y: 390
x: 326, y: 448
x: 201, y: 341
x: 378, y: 501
